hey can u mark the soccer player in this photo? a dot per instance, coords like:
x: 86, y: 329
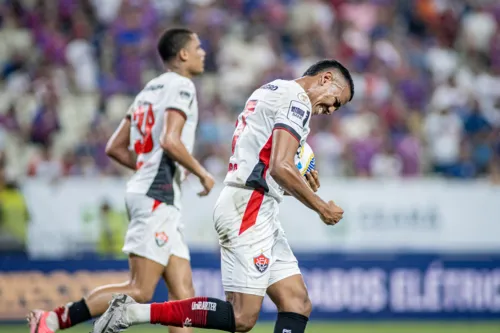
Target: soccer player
x: 160, y: 127
x: 256, y: 258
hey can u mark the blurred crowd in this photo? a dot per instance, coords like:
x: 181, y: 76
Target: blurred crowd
x: 426, y: 73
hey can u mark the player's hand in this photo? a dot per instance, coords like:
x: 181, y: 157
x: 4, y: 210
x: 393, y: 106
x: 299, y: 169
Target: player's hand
x: 208, y: 183
x: 331, y: 213
x: 313, y: 180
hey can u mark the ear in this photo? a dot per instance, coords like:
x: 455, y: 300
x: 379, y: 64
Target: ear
x: 326, y: 77
x: 183, y: 54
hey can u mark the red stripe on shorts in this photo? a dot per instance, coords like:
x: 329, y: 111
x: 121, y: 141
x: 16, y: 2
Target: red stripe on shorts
x: 156, y: 203
x: 252, y: 210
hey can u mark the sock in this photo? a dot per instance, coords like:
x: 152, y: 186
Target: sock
x: 201, y: 312
x: 72, y: 314
x: 139, y: 313
x: 289, y: 322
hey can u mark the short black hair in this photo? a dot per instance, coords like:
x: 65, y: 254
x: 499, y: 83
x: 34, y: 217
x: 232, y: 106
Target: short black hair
x: 172, y: 41
x: 323, y: 65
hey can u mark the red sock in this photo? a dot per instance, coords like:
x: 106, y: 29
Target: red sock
x: 201, y: 312
x: 62, y: 313
x: 189, y: 312
x: 72, y: 314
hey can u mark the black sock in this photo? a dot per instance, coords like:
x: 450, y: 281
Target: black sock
x: 289, y: 322
x: 69, y: 316
x: 223, y: 319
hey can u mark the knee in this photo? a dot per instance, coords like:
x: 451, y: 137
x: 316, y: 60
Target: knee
x: 300, y: 303
x: 141, y: 294
x: 306, y: 307
x: 244, y: 321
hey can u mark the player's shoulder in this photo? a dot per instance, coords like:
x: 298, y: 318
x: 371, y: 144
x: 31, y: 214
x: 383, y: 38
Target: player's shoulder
x: 176, y: 80
x: 278, y: 86
x: 290, y: 91
x: 168, y: 80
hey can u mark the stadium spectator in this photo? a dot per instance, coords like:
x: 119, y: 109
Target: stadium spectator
x: 427, y: 76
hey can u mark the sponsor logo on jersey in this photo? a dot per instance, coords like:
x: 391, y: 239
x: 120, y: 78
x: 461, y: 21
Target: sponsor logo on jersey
x: 161, y: 238
x: 261, y: 263
x: 205, y: 306
x: 269, y: 87
x: 303, y: 97
x: 287, y: 330
x: 297, y: 113
x: 153, y: 87
x: 185, y: 95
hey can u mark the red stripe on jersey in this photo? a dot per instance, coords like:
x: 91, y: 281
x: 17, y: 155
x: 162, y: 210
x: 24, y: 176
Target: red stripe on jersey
x: 265, y: 155
x: 156, y: 203
x: 252, y: 210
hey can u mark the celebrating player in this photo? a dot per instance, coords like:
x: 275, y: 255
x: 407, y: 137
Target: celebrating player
x: 160, y: 126
x: 256, y: 257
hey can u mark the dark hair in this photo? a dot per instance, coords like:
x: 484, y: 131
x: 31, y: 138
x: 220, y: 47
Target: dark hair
x: 172, y: 41
x: 323, y: 65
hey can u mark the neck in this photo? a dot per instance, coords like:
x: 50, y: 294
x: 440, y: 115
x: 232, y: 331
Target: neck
x: 306, y: 82
x: 177, y: 68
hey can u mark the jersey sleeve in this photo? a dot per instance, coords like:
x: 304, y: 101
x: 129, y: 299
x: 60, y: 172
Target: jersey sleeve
x: 180, y: 97
x: 293, y: 117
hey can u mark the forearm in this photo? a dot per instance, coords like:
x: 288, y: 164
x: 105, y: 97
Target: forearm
x: 124, y: 157
x: 294, y: 184
x: 180, y: 154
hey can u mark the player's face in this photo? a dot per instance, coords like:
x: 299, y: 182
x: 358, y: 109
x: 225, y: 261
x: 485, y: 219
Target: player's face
x: 329, y: 94
x: 196, y: 55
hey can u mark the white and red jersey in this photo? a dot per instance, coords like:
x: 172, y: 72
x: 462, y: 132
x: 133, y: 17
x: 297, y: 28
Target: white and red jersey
x: 157, y: 175
x: 280, y: 104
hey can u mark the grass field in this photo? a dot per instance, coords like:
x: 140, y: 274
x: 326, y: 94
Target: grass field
x: 456, y: 327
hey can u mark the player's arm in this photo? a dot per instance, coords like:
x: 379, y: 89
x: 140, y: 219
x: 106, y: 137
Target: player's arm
x: 312, y: 180
x: 171, y: 143
x: 117, y: 146
x: 284, y: 171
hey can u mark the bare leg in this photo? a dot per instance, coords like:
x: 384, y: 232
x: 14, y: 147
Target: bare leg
x: 246, y: 309
x: 144, y: 276
x: 179, y: 280
x: 294, y: 307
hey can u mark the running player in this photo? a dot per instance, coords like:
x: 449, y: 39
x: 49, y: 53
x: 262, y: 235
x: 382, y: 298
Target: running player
x: 256, y: 257
x: 160, y: 127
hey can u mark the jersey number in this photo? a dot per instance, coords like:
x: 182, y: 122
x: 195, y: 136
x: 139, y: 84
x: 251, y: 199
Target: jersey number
x: 144, y: 120
x: 240, y: 126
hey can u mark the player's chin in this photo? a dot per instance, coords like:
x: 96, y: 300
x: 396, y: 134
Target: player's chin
x: 322, y: 109
x: 200, y: 70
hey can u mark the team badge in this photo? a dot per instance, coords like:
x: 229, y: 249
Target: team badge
x: 261, y: 263
x: 161, y: 238
x: 303, y: 97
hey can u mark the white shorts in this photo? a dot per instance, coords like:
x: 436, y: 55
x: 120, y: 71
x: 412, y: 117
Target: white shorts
x: 254, y: 251
x: 155, y: 230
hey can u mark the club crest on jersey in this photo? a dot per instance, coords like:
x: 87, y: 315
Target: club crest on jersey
x: 303, y: 97
x: 261, y: 263
x: 161, y: 238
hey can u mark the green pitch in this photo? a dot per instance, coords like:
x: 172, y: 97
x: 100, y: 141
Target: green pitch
x: 457, y: 327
